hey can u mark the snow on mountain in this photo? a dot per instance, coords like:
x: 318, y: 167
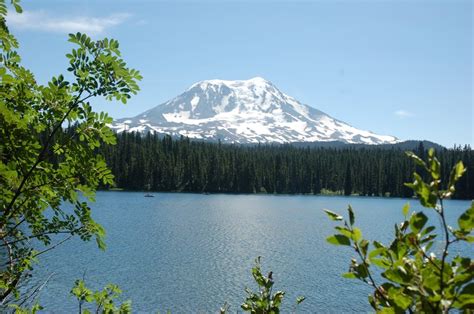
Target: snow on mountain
x: 248, y: 111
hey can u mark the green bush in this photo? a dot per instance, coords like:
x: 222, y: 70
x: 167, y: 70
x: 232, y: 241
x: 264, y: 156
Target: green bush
x: 415, y: 279
x: 101, y: 301
x: 264, y: 301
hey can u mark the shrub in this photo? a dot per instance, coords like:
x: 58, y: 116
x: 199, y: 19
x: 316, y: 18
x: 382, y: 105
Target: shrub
x: 415, y: 278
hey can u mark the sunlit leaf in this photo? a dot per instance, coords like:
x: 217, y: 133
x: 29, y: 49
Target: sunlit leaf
x: 338, y: 239
x: 332, y: 215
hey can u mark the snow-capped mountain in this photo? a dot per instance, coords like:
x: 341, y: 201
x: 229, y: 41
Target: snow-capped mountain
x: 249, y: 111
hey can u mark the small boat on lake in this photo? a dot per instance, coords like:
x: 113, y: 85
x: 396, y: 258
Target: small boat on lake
x: 148, y: 186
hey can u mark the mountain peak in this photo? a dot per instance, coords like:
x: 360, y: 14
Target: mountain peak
x: 255, y: 81
x: 259, y: 80
x: 245, y: 111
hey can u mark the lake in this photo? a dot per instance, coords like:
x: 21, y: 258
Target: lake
x: 193, y: 252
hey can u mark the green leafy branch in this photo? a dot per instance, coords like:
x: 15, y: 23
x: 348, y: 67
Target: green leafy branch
x: 416, y: 279
x: 264, y: 301
x: 104, y: 300
x: 43, y: 167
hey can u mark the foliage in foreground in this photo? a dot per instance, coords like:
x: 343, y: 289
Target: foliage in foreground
x: 102, y: 301
x: 42, y: 169
x: 264, y: 301
x: 261, y: 302
x: 419, y: 276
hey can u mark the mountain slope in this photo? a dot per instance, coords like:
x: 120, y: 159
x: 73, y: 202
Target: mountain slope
x: 249, y: 111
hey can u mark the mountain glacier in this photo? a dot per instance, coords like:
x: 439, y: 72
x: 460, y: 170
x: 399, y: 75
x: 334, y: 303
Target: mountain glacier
x: 247, y: 111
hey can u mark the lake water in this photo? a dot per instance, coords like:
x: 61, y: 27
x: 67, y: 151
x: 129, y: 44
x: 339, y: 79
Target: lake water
x: 192, y: 252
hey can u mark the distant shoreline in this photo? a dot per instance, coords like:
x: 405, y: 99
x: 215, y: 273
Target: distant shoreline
x: 270, y: 194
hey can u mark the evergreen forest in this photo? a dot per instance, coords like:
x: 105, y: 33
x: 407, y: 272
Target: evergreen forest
x: 156, y: 163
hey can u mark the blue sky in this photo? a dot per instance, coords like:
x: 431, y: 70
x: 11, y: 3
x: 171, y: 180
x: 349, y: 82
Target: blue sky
x: 402, y: 68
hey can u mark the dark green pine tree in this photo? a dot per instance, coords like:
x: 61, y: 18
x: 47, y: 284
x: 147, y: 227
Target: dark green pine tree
x: 348, y: 180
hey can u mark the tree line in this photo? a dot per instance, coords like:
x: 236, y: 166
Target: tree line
x: 157, y: 163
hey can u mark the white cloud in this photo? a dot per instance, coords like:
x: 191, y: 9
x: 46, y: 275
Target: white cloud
x: 404, y: 114
x: 42, y: 21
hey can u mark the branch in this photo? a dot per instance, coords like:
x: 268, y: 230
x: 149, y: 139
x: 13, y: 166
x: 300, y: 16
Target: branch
x: 427, y: 257
x: 10, y: 289
x: 372, y: 281
x: 8, y: 210
x: 10, y: 255
x: 36, y: 290
x: 48, y: 249
x: 47, y: 183
x: 445, y: 251
x: 3, y: 236
x: 52, y: 247
x: 41, y: 234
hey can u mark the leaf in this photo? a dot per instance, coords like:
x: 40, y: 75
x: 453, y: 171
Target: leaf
x: 380, y: 262
x: 405, y: 209
x: 428, y: 230
x: 351, y: 215
x: 376, y: 252
x: 362, y: 271
x: 372, y: 302
x: 418, y: 221
x: 338, y: 239
x: 456, y: 173
x: 402, y: 300
x: 364, y: 245
x: 245, y: 307
x: 378, y: 245
x: 466, y: 220
x: 459, y: 170
x: 349, y: 275
x: 344, y: 231
x: 356, y: 234
x: 100, y: 243
x: 332, y: 215
x: 465, y: 299
x: 18, y: 8
x: 300, y: 299
x: 425, y: 193
x: 395, y: 275
x: 417, y: 159
x: 435, y: 165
